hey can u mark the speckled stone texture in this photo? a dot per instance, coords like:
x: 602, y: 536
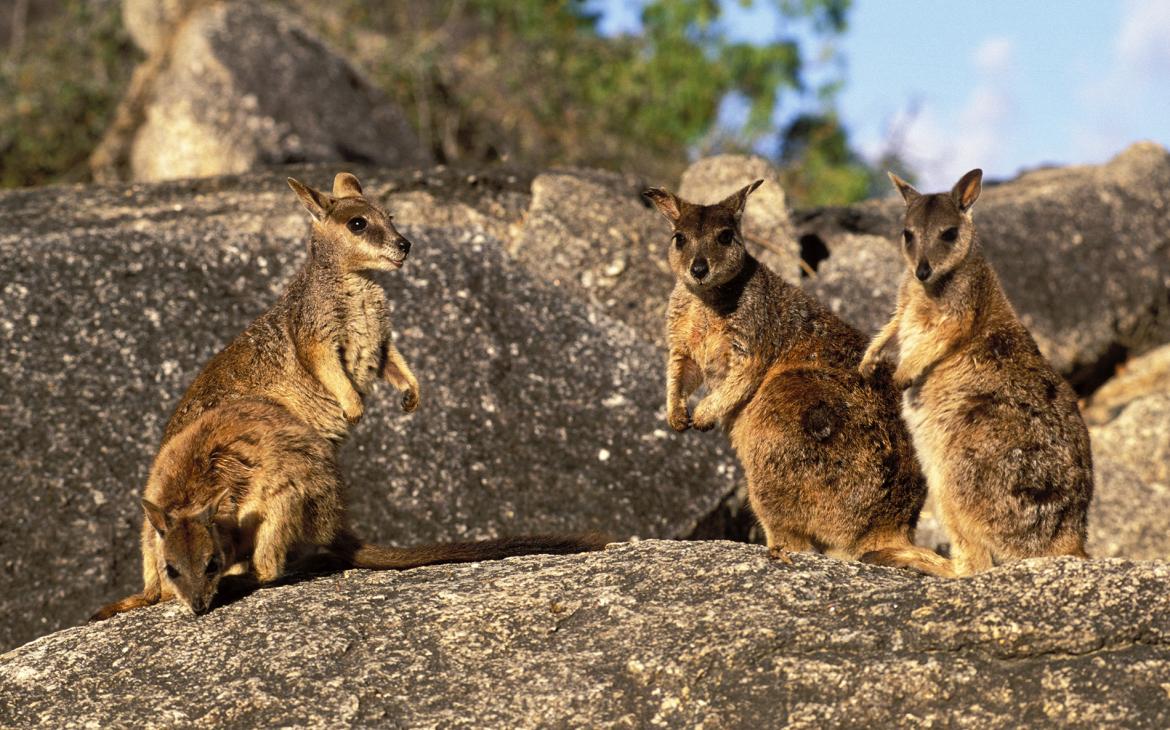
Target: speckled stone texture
x: 538, y: 412
x: 245, y: 85
x: 1083, y: 253
x: 655, y: 634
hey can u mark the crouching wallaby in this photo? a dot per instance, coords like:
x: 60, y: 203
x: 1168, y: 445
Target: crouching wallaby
x: 998, y: 433
x: 828, y: 462
x: 244, y: 485
x: 318, y: 350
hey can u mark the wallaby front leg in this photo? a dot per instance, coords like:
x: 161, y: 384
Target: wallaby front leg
x: 325, y: 364
x: 874, y: 352
x: 739, y: 386
x: 683, y: 377
x: 398, y: 373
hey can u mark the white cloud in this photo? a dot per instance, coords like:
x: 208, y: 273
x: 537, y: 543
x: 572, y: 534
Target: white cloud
x: 1143, y: 44
x: 940, y: 148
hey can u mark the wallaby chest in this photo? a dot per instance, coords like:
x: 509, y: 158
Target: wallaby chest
x: 708, y: 339
x: 364, y: 330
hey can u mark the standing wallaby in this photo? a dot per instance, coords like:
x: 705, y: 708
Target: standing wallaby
x: 829, y: 464
x: 246, y: 482
x: 319, y: 348
x: 998, y: 433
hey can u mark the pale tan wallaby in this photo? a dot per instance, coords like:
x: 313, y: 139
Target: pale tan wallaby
x: 318, y: 350
x: 247, y: 483
x: 997, y: 431
x: 828, y: 462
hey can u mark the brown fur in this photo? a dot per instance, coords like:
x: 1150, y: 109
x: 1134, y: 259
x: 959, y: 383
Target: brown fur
x: 245, y: 485
x: 829, y: 465
x: 997, y: 430
x: 318, y: 350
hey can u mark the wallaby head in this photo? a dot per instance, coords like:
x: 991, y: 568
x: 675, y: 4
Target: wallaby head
x: 938, y: 232
x: 350, y: 229
x: 195, y: 552
x: 707, y: 248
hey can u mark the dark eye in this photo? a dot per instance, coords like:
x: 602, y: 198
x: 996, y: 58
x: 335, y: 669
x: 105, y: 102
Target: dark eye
x: 949, y: 235
x: 679, y: 240
x: 212, y: 567
x: 172, y: 571
x: 725, y: 236
x: 356, y: 224
x: 908, y: 236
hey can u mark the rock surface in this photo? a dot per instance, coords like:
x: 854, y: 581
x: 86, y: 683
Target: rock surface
x: 590, y: 233
x: 655, y: 634
x: 1082, y: 252
x: 766, y: 224
x: 538, y: 413
x: 1131, y: 459
x: 243, y: 85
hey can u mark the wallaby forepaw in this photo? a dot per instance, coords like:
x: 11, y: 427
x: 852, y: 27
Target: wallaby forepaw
x: 352, y: 412
x: 780, y: 554
x: 679, y: 420
x: 410, y: 400
x: 701, y: 421
x: 867, y: 366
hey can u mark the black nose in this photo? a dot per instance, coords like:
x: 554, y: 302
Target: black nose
x: 699, y: 268
x: 923, y: 271
x: 403, y: 245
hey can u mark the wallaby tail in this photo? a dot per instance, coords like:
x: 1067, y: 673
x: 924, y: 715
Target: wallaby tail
x: 913, y: 557
x: 129, y: 603
x: 361, y: 554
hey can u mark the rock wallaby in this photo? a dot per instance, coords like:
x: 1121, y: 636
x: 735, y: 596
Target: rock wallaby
x: 829, y: 464
x: 245, y: 484
x: 997, y: 431
x: 318, y: 350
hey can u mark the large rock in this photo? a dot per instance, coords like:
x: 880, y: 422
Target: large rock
x: 766, y: 225
x: 242, y: 85
x: 1131, y: 457
x: 1082, y: 251
x: 655, y: 634
x: 538, y: 413
x: 590, y: 233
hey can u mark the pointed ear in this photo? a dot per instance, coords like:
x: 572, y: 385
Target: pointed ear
x: 213, y: 508
x: 159, y: 519
x: 314, y: 201
x: 346, y: 185
x: 967, y: 190
x: 909, y: 194
x: 738, y: 200
x: 665, y: 201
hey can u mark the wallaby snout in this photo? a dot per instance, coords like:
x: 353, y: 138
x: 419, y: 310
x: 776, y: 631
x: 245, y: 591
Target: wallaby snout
x: 403, y: 244
x: 923, y: 271
x: 699, y: 268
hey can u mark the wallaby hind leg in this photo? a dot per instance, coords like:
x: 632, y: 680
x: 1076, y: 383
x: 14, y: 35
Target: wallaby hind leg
x: 896, y: 551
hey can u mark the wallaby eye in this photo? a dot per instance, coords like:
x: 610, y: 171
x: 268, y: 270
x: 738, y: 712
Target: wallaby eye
x: 212, y: 567
x: 949, y: 235
x: 172, y: 571
x: 725, y: 236
x: 357, y: 224
x: 679, y: 240
x: 908, y: 236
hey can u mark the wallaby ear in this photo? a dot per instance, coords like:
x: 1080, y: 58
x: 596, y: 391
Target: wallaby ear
x: 207, y: 516
x: 346, y: 185
x: 909, y: 194
x: 738, y: 200
x: 159, y: 519
x: 665, y: 201
x: 967, y: 190
x: 316, y: 202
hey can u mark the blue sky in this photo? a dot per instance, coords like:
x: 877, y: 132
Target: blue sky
x: 998, y: 84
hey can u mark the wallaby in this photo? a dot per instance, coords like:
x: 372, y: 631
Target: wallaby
x: 997, y: 431
x: 246, y: 483
x: 828, y: 462
x: 319, y: 348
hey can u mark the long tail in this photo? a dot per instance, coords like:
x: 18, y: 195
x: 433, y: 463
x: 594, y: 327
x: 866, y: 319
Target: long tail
x: 129, y: 603
x: 361, y: 554
x: 913, y: 557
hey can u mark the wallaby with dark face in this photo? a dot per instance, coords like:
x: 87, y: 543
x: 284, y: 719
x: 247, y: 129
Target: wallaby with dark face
x: 997, y: 431
x: 244, y: 485
x: 828, y: 462
x: 318, y: 350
